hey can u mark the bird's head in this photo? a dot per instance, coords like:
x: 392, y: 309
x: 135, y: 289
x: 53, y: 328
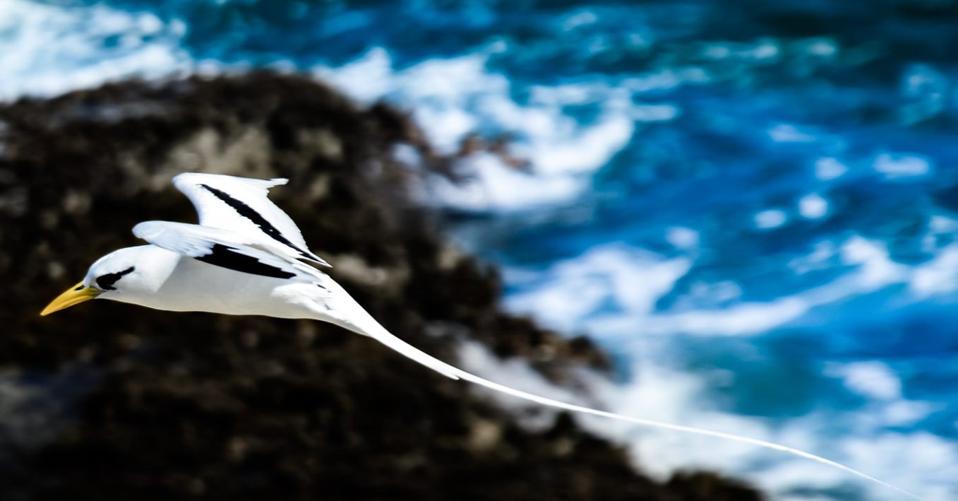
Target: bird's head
x: 110, y: 277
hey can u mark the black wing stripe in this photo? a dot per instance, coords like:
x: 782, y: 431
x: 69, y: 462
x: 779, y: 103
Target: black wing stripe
x: 257, y: 219
x: 227, y: 257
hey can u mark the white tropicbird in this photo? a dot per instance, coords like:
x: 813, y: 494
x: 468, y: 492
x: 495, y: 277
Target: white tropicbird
x: 247, y: 257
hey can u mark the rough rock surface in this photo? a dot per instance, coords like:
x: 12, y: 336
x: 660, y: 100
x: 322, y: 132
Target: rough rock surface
x: 109, y: 401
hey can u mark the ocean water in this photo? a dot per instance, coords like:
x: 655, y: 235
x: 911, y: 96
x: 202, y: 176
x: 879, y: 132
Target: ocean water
x: 751, y: 205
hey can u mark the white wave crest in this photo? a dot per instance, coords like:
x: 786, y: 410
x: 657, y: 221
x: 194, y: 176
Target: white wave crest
x: 48, y: 50
x: 596, y: 292
x: 455, y: 97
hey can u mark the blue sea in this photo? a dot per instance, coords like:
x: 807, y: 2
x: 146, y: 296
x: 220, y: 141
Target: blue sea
x: 753, y: 206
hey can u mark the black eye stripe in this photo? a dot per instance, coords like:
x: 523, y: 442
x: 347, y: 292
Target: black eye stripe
x: 106, y: 281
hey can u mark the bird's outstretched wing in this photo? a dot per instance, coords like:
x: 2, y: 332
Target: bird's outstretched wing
x: 242, y: 205
x: 228, y: 249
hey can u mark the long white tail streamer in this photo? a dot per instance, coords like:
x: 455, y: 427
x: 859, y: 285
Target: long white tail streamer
x: 365, y: 324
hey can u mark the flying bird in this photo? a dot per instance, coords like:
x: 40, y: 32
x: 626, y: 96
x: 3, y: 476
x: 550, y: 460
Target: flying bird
x: 247, y: 257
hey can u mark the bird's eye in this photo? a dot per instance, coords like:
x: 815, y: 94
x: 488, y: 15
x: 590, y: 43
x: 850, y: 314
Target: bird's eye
x: 106, y: 282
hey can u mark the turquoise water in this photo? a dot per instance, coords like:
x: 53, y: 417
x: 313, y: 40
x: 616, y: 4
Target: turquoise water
x: 753, y: 207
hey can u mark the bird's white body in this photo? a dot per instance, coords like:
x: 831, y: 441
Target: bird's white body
x: 174, y: 282
x: 247, y: 257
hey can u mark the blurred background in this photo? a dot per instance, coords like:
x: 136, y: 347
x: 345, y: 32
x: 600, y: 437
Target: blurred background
x: 751, y: 206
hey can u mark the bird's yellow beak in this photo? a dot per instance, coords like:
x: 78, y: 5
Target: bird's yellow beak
x: 73, y: 296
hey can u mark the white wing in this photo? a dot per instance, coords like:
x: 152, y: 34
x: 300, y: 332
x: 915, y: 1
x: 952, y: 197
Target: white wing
x: 242, y: 205
x: 228, y: 249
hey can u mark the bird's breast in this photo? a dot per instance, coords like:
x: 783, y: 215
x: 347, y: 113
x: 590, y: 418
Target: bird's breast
x: 198, y: 286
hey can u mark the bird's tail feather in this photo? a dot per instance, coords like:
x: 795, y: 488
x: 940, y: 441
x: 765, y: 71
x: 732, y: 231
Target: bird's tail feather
x: 370, y: 327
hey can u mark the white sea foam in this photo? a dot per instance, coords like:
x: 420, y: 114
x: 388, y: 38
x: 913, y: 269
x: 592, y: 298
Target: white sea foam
x: 682, y: 238
x: 941, y: 232
x: 871, y: 379
x: 812, y: 206
x: 820, y: 258
x: 454, y: 97
x: 788, y: 133
x: 667, y: 79
x: 608, y: 278
x: 770, y: 219
x: 942, y: 224
x: 49, y: 50
x: 586, y: 293
x: 875, y: 268
x: 829, y: 168
x: 492, y: 185
x: 938, y: 276
x: 613, y: 290
x: 895, y: 166
x: 368, y: 78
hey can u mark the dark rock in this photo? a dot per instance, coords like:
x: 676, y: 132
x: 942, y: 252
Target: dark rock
x: 198, y: 406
